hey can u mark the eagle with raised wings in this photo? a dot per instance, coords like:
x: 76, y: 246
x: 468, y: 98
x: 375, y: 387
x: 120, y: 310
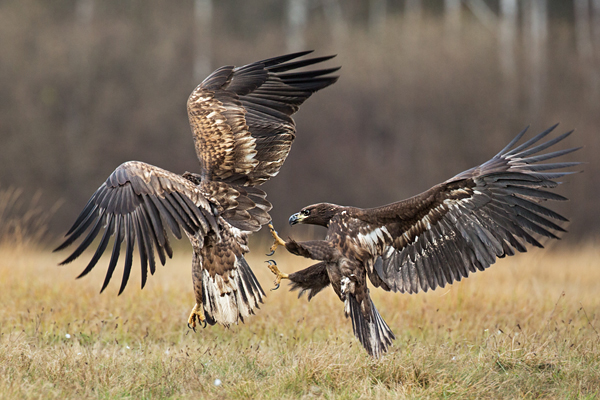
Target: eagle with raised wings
x: 243, y: 131
x: 458, y: 227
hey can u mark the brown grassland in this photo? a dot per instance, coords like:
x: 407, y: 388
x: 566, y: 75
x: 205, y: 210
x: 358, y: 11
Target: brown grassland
x: 527, y: 328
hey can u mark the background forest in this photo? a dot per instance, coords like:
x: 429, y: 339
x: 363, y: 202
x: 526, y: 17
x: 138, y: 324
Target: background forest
x: 427, y: 89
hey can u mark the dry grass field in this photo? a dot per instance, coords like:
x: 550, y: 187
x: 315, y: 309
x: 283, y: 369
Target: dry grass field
x: 526, y: 328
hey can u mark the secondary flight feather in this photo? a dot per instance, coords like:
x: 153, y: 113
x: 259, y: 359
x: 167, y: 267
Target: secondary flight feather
x: 458, y: 227
x: 241, y: 121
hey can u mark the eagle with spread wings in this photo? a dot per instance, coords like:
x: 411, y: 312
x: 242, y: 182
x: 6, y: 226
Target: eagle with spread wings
x: 243, y: 131
x: 458, y: 227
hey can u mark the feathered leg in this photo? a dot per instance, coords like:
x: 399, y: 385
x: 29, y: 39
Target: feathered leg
x: 310, y: 280
x: 198, y: 310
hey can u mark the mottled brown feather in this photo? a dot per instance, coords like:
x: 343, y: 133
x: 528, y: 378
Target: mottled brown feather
x: 241, y: 117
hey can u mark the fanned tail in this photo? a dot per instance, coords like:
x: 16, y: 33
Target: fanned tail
x: 374, y: 334
x: 232, y: 301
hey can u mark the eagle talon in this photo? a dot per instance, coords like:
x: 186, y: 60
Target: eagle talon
x: 278, y: 274
x: 278, y: 241
x: 196, y: 314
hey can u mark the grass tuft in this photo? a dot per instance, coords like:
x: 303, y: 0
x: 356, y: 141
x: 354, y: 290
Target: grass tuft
x: 23, y: 223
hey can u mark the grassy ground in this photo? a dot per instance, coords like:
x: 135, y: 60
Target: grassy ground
x: 527, y: 328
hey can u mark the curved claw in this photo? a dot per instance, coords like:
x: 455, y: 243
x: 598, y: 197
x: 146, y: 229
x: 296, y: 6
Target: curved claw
x: 278, y: 274
x: 204, y: 326
x: 196, y: 315
x: 270, y: 253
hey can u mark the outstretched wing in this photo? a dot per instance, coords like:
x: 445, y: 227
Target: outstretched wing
x: 465, y: 223
x: 134, y: 204
x: 241, y: 117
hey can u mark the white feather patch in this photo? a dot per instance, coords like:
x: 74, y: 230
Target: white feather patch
x: 374, y: 239
x: 225, y: 301
x: 222, y: 308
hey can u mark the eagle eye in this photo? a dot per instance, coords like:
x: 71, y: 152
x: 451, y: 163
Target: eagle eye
x: 306, y: 212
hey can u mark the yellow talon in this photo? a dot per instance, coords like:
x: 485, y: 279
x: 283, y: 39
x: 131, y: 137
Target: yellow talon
x: 196, y: 313
x: 278, y: 241
x: 278, y: 274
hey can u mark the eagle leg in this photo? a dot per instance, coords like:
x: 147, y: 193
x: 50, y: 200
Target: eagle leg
x: 278, y: 274
x: 196, y: 313
x: 277, y: 241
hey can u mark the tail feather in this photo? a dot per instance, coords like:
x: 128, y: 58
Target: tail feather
x: 375, y: 335
x: 228, y: 302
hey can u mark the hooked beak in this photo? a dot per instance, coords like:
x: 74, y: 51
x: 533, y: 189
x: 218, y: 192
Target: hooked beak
x: 295, y: 219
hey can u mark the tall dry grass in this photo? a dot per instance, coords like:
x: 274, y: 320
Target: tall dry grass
x: 527, y: 328
x: 23, y: 219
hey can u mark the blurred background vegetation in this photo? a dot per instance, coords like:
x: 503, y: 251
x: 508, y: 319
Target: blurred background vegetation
x: 427, y: 89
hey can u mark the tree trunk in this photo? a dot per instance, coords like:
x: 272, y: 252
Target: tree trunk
x: 585, y: 47
x: 377, y: 15
x: 536, y: 45
x: 452, y: 21
x: 203, y: 14
x: 508, y: 30
x: 297, y: 17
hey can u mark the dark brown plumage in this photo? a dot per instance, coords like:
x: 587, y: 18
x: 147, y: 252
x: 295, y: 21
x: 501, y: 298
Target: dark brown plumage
x: 243, y: 130
x: 435, y: 238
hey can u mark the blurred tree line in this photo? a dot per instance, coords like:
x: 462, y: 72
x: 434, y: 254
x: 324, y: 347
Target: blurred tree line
x: 427, y: 89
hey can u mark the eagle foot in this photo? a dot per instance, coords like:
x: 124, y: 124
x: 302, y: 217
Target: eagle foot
x: 278, y: 241
x: 198, y: 314
x: 278, y: 274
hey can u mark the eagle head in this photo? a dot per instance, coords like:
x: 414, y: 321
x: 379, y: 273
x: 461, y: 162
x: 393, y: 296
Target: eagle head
x: 317, y: 214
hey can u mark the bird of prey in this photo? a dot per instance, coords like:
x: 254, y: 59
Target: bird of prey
x: 432, y: 239
x: 243, y: 131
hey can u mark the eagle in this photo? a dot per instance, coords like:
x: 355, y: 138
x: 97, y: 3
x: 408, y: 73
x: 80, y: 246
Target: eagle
x: 457, y: 227
x: 242, y: 127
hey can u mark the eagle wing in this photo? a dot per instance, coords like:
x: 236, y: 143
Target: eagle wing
x: 134, y: 204
x: 465, y: 223
x: 241, y: 116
